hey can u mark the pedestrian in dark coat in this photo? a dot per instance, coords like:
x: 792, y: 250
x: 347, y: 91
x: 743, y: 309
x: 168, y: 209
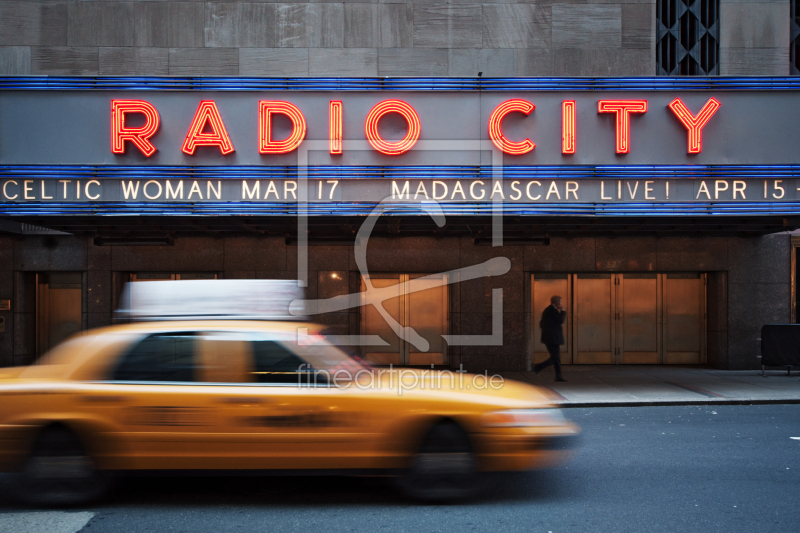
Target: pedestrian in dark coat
x: 553, y: 317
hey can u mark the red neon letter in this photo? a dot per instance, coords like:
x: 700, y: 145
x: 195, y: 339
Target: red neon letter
x: 404, y: 110
x: 336, y: 127
x: 496, y: 132
x: 694, y: 123
x: 623, y: 109
x: 207, y: 113
x: 138, y: 136
x: 267, y: 108
x: 568, y: 127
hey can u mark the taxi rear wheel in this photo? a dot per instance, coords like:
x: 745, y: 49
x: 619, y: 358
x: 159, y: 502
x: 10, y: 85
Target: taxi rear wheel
x: 59, y: 471
x: 444, y: 468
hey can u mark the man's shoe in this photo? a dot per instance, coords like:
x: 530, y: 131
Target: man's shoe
x: 559, y: 378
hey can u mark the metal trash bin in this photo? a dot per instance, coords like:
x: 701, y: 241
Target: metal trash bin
x: 780, y: 345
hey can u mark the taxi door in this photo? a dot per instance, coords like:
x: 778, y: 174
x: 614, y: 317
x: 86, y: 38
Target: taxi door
x: 283, y: 417
x: 168, y: 416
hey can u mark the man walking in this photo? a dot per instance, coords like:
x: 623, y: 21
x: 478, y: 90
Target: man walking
x: 553, y: 317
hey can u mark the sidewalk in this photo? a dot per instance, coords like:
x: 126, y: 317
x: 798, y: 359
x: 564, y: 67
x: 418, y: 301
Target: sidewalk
x: 635, y: 385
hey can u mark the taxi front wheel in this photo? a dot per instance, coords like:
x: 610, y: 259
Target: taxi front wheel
x: 444, y: 468
x: 59, y: 471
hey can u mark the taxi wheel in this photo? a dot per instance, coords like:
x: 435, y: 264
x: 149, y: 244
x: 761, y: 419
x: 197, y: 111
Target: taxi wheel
x: 444, y: 468
x: 59, y: 471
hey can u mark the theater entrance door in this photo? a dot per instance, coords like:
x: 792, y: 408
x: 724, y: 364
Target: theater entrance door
x: 59, y: 315
x: 627, y: 318
x: 416, y: 301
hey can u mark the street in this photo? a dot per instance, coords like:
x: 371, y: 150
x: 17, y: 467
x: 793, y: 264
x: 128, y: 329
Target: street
x: 661, y: 469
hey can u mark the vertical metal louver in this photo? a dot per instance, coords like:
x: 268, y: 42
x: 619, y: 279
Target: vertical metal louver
x: 794, y: 43
x: 687, y: 41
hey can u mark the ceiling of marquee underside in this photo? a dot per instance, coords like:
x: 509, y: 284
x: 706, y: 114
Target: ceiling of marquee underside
x: 345, y: 228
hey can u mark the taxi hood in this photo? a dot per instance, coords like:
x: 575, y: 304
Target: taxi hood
x: 12, y: 372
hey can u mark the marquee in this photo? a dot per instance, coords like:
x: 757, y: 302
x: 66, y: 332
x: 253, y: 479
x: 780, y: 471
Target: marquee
x: 125, y: 146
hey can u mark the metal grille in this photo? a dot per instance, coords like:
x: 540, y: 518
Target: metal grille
x: 687, y: 43
x: 794, y: 46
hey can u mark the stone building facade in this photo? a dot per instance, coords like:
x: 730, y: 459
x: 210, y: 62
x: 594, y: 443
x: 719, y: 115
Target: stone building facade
x: 426, y: 38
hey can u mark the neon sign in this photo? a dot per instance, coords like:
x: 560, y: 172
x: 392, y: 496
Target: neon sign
x: 266, y: 145
x: 623, y: 110
x: 208, y: 129
x: 568, y: 127
x: 404, y: 110
x: 496, y: 131
x: 207, y: 115
x: 336, y: 127
x: 140, y: 137
x: 694, y: 123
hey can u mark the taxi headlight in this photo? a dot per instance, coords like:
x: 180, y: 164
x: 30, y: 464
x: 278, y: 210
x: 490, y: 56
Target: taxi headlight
x: 515, y: 418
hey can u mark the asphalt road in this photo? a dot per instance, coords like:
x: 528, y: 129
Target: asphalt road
x: 638, y: 469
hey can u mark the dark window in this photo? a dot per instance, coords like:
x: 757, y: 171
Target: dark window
x: 276, y: 364
x: 687, y: 37
x: 159, y: 357
x: 794, y: 46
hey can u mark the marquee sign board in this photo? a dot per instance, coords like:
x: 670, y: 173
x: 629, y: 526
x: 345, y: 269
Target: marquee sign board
x: 75, y: 128
x: 129, y: 148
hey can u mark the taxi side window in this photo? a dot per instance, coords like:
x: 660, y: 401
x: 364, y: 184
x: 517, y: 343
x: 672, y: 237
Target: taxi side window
x: 276, y: 364
x: 159, y: 357
x: 223, y: 357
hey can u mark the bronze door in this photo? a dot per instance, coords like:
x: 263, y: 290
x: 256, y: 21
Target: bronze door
x: 684, y: 319
x: 372, y: 323
x: 58, y: 308
x: 427, y: 315
x: 635, y: 318
x: 418, y: 304
x: 594, y: 310
x: 639, y: 319
x: 543, y: 287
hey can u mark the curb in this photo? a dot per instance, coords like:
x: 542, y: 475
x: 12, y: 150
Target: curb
x: 666, y: 403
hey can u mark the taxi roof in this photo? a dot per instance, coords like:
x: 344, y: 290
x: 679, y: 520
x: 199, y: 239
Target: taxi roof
x: 211, y: 324
x: 204, y: 299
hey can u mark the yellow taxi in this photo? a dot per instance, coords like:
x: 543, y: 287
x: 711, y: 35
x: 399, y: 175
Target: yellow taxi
x: 234, y: 395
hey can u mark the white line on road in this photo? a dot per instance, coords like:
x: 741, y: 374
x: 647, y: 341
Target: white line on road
x: 795, y: 438
x: 44, y: 521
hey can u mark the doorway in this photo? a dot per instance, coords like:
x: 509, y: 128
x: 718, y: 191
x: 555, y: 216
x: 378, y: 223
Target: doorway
x: 634, y: 318
x: 424, y: 309
x: 59, y: 298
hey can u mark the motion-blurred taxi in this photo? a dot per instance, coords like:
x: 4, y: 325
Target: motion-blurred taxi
x: 259, y: 395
